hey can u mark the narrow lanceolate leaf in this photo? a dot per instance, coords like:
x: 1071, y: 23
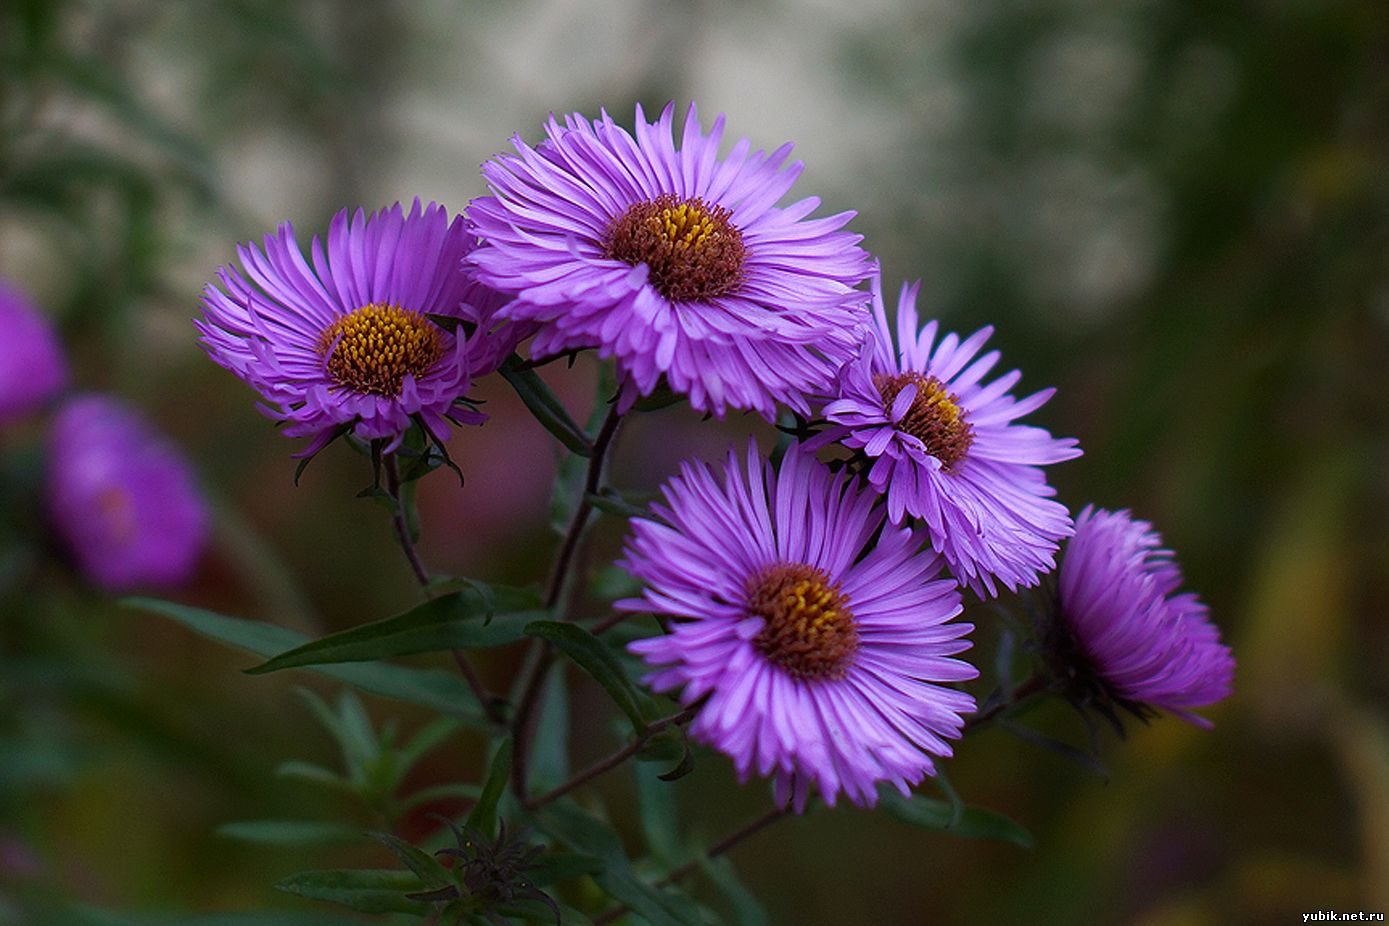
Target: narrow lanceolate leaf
x: 613, y: 503
x: 90, y: 916
x: 289, y: 832
x: 972, y: 822
x: 742, y: 902
x: 660, y: 819
x: 549, y: 764
x: 425, y: 866
x: 483, y: 816
x: 594, y: 657
x: 444, y: 692
x: 366, y: 891
x: 545, y: 406
x: 460, y: 620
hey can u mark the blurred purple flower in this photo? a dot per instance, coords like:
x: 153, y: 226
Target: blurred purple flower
x: 1129, y: 636
x: 674, y: 261
x: 32, y: 366
x: 122, y: 497
x: 945, y: 448
x: 385, y: 329
x: 824, y: 648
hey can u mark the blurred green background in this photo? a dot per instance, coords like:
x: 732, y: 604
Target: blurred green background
x: 1177, y: 213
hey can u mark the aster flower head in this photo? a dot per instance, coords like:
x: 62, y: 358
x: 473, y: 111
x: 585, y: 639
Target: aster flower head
x: 821, y: 636
x: 1123, y: 634
x: 32, y: 366
x: 384, y: 330
x: 944, y: 447
x: 673, y: 260
x: 122, y: 497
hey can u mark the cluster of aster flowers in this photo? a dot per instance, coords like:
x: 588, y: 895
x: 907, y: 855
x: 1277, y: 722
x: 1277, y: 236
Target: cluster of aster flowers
x: 810, y: 596
x: 120, y: 498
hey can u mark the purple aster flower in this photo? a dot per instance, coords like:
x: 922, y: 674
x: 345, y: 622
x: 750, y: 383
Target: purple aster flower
x: 821, y: 636
x: 675, y: 261
x: 122, y: 497
x: 1124, y: 633
x: 944, y: 448
x: 32, y: 366
x: 384, y: 330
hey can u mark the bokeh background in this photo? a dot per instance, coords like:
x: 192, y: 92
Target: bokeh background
x: 1175, y: 212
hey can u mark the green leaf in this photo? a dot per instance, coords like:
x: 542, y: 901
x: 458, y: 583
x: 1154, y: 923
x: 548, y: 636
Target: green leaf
x: 483, y: 816
x: 668, y: 906
x: 351, y: 728
x: 594, y: 657
x: 289, y: 832
x: 747, y: 911
x: 90, y: 916
x: 367, y: 891
x: 572, y: 472
x: 660, y: 821
x: 549, y: 763
x: 315, y: 774
x: 973, y: 822
x: 443, y: 692
x: 557, y: 865
x: 1085, y: 760
x: 423, y: 742
x: 425, y: 866
x: 460, y: 620
x: 682, y: 768
x: 545, y: 406
x: 610, y: 501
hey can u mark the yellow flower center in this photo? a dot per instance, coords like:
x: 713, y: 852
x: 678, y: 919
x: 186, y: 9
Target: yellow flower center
x: 371, y: 350
x: 692, y: 250
x: 935, y: 417
x: 809, y: 631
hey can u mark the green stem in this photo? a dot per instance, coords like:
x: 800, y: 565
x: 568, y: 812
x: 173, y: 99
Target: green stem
x: 491, y: 706
x: 1030, y: 687
x: 714, y: 851
x: 541, y: 653
x: 613, y: 761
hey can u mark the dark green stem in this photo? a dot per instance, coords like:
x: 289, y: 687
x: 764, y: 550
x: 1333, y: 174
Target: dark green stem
x: 541, y: 654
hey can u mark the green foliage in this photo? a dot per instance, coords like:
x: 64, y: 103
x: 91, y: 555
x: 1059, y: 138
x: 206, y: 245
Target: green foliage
x: 743, y: 904
x: 971, y: 822
x: 428, y: 869
x: 289, y: 832
x: 440, y: 691
x: 89, y: 916
x: 584, y: 833
x: 479, y: 616
x: 375, y: 767
x: 483, y: 817
x: 366, y: 891
x: 596, y: 658
x: 546, y: 406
